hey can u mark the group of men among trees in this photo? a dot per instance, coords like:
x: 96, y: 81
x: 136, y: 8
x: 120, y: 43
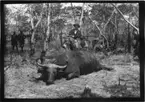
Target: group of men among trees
x: 18, y: 39
x: 75, y: 39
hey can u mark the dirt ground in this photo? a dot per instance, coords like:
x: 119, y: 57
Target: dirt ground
x: 122, y: 82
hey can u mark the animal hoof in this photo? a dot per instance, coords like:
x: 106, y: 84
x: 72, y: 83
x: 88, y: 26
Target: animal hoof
x: 36, y: 80
x: 49, y: 83
x: 68, y: 78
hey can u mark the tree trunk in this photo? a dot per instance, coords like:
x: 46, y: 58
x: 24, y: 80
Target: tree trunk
x: 104, y: 28
x: 129, y: 39
x: 110, y: 36
x: 32, y: 41
x: 73, y: 13
x: 82, y: 14
x: 116, y: 41
x: 48, y: 28
x: 116, y: 33
x: 101, y: 33
x: 61, y: 38
x: 34, y: 28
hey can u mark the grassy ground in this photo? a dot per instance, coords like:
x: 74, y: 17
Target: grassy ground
x: 123, y: 82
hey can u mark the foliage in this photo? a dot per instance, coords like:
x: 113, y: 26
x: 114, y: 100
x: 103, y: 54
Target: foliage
x: 62, y: 19
x: 56, y: 10
x: 101, y: 12
x: 7, y: 12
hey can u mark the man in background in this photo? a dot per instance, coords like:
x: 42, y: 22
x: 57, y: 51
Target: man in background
x: 14, y: 41
x: 21, y: 38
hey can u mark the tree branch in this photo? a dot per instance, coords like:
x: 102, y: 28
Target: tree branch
x: 32, y: 23
x: 109, y: 20
x: 135, y: 13
x: 125, y: 18
x: 39, y: 20
x: 113, y: 23
x: 34, y: 27
x: 100, y: 31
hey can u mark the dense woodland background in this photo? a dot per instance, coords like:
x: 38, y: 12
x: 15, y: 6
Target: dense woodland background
x: 114, y: 26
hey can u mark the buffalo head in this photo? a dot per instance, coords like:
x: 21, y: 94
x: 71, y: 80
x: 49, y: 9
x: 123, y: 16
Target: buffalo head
x: 49, y: 71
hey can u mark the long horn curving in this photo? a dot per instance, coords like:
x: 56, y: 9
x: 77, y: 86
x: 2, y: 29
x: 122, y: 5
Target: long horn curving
x: 50, y: 65
x: 57, y: 66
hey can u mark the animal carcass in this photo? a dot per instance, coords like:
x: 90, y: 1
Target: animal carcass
x: 72, y: 64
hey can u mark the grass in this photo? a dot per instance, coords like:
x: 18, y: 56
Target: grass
x: 123, y: 82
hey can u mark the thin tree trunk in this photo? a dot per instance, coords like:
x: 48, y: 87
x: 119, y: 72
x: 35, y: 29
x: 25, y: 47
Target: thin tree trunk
x: 129, y: 39
x: 82, y: 14
x: 48, y: 28
x: 73, y: 13
x: 104, y: 28
x: 116, y: 33
x: 61, y: 38
x: 109, y: 20
x: 32, y: 40
x: 34, y: 28
x: 116, y: 41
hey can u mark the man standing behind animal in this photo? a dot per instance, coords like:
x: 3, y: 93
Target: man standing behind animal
x: 136, y: 44
x: 76, y: 35
x: 21, y: 38
x: 14, y: 41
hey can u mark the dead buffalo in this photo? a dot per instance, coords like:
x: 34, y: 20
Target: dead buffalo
x: 70, y: 64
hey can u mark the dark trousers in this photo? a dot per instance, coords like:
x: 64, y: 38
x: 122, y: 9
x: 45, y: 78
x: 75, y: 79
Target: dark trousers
x: 21, y: 46
x: 15, y: 46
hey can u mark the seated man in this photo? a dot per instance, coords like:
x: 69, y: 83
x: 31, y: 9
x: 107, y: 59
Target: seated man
x: 75, y: 35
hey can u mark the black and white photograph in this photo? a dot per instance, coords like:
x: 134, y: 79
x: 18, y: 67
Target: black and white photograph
x: 71, y: 50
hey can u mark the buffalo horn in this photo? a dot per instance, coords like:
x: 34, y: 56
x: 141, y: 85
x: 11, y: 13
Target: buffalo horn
x: 50, y: 65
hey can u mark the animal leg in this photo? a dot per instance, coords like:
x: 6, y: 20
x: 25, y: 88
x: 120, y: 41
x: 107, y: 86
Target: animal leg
x: 73, y: 75
x: 38, y: 79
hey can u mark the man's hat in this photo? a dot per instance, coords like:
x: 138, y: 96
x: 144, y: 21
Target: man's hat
x: 76, y: 25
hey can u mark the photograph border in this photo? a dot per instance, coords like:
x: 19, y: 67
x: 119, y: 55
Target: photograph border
x: 141, y: 30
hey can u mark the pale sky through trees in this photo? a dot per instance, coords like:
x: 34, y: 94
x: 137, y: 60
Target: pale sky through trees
x: 14, y: 7
x: 22, y: 7
x: 17, y: 6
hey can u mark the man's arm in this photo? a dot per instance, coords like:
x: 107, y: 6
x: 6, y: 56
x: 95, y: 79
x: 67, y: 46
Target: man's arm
x: 71, y: 32
x: 79, y: 34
